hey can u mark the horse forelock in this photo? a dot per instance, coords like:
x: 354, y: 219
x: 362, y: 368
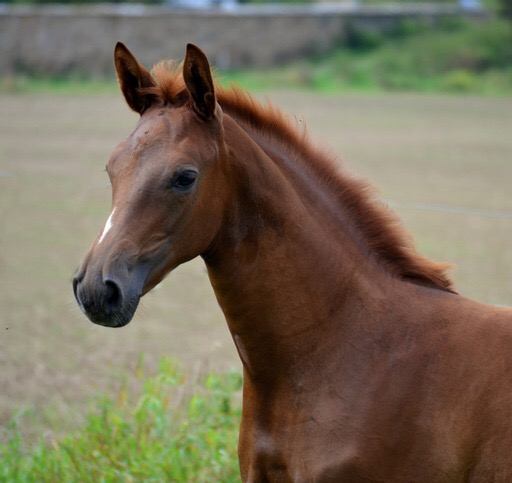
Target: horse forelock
x: 379, y: 228
x: 170, y: 87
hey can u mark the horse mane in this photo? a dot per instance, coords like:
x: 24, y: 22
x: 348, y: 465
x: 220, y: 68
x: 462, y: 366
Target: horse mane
x: 379, y: 227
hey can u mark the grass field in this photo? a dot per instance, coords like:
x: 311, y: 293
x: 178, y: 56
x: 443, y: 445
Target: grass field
x: 422, y: 151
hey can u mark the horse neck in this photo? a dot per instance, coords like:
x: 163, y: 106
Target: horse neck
x: 285, y: 275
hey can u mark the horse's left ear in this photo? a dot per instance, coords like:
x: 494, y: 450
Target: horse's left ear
x: 132, y: 78
x: 198, y: 78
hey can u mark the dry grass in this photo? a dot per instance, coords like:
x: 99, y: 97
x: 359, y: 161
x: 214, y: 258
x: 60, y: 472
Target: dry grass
x: 54, y: 198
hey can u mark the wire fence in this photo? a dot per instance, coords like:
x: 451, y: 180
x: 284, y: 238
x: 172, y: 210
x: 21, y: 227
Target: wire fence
x: 454, y: 210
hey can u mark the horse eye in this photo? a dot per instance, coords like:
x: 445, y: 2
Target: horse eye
x: 185, y: 180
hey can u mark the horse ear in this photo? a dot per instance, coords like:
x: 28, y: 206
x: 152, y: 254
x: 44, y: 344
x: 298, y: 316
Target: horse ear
x: 132, y: 77
x: 198, y: 78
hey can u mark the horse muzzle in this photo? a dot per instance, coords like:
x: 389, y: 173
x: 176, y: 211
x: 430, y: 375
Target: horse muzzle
x: 109, y: 300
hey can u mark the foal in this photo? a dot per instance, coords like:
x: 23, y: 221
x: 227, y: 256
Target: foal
x: 360, y: 362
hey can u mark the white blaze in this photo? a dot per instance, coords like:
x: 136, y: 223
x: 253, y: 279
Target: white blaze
x: 108, y: 226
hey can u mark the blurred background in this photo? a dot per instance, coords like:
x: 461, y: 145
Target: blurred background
x: 414, y: 96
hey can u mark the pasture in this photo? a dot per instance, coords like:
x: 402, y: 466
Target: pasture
x: 445, y: 164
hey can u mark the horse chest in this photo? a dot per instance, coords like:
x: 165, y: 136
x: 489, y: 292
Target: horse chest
x: 296, y: 449
x: 330, y: 441
x: 343, y: 461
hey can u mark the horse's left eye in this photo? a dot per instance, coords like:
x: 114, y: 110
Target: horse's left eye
x: 185, y: 180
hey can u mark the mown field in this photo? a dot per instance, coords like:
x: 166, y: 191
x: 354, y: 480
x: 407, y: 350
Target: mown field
x: 444, y: 162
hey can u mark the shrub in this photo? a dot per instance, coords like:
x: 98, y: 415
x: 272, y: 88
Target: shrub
x: 362, y: 39
x: 505, y: 9
x: 171, y: 429
x: 460, y: 81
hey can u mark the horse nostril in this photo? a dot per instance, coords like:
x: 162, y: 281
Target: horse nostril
x: 113, y: 295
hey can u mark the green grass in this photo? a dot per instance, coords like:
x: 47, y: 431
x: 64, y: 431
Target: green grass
x: 171, y: 428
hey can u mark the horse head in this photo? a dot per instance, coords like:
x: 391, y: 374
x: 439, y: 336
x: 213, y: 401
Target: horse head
x: 167, y: 198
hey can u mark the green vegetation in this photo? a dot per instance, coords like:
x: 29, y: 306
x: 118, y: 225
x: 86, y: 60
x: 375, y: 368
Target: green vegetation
x: 455, y: 57
x: 172, y: 428
x: 58, y: 85
x: 504, y: 8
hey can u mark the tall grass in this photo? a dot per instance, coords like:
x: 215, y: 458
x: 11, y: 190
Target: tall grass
x: 172, y: 427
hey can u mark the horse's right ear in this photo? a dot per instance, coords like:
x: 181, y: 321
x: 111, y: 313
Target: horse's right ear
x: 132, y: 78
x: 198, y: 78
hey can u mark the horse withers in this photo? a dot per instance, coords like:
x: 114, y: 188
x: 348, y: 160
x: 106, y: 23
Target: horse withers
x: 360, y: 361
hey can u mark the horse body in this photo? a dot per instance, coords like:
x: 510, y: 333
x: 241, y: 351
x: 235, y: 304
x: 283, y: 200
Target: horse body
x: 360, y: 362
x: 375, y: 409
x: 406, y: 407
x: 398, y: 390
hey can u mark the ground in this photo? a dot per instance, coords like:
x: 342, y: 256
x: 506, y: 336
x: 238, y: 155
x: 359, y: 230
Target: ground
x: 427, y: 154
